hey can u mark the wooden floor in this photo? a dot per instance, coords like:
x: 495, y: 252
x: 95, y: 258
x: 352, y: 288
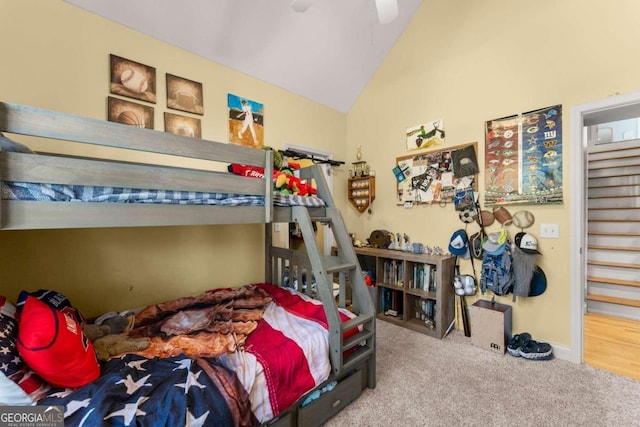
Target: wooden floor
x: 612, y: 344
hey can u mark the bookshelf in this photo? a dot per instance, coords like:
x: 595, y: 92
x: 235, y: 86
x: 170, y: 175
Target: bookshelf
x: 418, y: 287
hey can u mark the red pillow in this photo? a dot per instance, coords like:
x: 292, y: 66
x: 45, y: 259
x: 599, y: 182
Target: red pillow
x: 53, y: 345
x: 11, y: 364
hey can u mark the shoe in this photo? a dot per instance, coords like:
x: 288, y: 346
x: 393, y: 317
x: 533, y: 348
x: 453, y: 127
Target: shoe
x: 516, y: 343
x: 534, y: 350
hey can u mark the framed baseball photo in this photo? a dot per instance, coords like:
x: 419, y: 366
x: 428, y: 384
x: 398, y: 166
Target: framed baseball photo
x: 132, y: 79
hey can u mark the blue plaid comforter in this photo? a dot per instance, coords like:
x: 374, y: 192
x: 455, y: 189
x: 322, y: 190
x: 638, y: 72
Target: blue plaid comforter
x: 83, y: 193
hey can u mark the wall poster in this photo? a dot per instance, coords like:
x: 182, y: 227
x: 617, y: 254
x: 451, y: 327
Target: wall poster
x: 523, y: 158
x: 132, y: 79
x: 246, y: 121
x: 425, y: 135
x: 130, y: 113
x: 434, y: 176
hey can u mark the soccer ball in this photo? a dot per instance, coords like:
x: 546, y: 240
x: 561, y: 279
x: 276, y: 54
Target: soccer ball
x: 467, y: 215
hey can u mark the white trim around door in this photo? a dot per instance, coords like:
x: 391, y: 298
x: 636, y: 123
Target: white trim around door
x: 613, y: 108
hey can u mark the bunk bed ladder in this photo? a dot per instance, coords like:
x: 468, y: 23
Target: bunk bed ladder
x: 348, y: 349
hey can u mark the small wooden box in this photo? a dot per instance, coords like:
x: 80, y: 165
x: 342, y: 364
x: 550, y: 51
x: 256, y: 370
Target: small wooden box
x: 490, y: 325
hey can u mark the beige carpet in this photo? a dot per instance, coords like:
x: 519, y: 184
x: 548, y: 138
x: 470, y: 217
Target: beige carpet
x: 422, y: 381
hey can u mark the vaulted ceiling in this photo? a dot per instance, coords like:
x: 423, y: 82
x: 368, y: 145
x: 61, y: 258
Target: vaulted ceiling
x: 327, y: 53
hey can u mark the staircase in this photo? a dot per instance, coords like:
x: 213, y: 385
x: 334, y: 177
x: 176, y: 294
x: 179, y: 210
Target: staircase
x: 346, y: 353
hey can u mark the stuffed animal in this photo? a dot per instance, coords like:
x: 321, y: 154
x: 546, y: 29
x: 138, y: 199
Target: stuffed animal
x: 283, y: 179
x: 108, y: 340
x: 287, y: 183
x: 93, y: 331
x: 115, y: 344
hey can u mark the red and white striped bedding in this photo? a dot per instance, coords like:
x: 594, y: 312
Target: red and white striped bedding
x: 287, y: 355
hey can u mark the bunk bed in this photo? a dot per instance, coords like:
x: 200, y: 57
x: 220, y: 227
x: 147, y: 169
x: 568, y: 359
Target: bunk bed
x: 68, y: 191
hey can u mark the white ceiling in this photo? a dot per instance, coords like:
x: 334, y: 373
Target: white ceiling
x: 326, y: 54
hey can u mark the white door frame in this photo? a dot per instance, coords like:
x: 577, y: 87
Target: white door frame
x: 609, y: 108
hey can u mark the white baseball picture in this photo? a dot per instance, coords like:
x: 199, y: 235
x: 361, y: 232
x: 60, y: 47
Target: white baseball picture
x: 132, y: 79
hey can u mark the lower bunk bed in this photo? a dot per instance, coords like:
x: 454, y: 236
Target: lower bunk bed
x: 227, y: 357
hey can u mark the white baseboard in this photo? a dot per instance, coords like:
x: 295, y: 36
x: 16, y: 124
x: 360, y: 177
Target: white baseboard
x: 562, y: 352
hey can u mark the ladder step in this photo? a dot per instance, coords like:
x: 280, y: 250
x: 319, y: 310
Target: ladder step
x: 341, y: 267
x: 361, y: 319
x: 356, y: 339
x: 356, y: 357
x: 323, y: 219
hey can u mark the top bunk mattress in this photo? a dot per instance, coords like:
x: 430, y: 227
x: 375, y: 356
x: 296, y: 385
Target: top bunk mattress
x: 97, y: 194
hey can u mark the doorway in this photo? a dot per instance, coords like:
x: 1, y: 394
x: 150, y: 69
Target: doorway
x: 605, y: 259
x: 325, y: 236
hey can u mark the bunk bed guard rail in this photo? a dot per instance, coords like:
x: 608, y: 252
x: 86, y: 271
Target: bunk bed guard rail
x: 56, y: 128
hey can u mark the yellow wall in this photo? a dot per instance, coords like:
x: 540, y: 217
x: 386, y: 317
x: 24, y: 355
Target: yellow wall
x: 56, y: 56
x: 465, y: 63
x: 469, y: 62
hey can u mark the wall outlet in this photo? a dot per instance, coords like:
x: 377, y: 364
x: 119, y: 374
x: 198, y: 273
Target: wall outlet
x: 550, y: 231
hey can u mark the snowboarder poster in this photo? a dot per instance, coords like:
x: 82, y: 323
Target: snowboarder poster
x: 245, y: 121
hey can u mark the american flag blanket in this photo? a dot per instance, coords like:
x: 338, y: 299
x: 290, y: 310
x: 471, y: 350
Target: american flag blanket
x: 282, y: 360
x: 175, y: 391
x: 287, y: 355
x: 83, y: 193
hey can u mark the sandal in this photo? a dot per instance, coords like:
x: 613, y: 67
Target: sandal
x: 534, y: 350
x: 516, y: 343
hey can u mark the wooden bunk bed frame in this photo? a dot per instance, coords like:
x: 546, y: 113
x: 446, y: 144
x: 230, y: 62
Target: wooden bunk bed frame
x: 352, y: 360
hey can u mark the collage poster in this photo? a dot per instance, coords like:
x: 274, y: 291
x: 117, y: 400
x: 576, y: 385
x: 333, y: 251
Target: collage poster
x: 434, y: 176
x: 523, y: 158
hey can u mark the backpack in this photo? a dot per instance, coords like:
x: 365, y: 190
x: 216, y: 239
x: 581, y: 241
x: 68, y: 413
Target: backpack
x: 497, y: 272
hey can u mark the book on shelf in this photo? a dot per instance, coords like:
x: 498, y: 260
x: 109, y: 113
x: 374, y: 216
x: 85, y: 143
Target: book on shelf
x: 422, y: 276
x: 391, y: 302
x: 393, y: 273
x: 425, y: 309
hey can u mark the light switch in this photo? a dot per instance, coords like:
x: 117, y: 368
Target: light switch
x: 550, y: 231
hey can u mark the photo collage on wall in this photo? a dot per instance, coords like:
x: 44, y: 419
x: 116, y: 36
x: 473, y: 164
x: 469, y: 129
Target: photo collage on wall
x: 137, y: 81
x: 523, y: 158
x: 434, y: 176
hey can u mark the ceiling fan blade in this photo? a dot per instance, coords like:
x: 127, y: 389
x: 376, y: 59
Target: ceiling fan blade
x: 387, y: 10
x: 300, y: 5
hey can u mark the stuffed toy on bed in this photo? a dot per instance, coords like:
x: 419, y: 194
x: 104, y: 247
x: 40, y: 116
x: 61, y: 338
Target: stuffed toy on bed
x: 284, y: 180
x: 287, y: 183
x: 108, y: 340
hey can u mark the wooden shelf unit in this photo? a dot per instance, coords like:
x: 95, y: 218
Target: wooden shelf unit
x: 403, y: 282
x: 361, y: 192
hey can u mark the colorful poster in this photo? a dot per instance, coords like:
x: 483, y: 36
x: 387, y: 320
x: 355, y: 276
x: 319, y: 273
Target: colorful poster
x: 523, y: 158
x: 425, y: 135
x: 246, y: 121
